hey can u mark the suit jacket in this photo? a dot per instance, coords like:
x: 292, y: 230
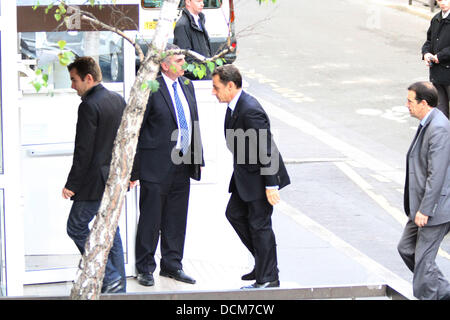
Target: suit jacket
x: 157, y: 141
x: 427, y: 187
x: 257, y: 162
x: 99, y: 117
x: 187, y: 35
x: 438, y: 42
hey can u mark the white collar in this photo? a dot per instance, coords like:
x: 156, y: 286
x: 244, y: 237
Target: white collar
x: 234, y: 101
x: 169, y: 82
x: 422, y: 122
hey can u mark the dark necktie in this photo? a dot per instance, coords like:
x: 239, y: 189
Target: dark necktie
x: 406, y: 191
x: 182, y: 120
x: 228, y: 117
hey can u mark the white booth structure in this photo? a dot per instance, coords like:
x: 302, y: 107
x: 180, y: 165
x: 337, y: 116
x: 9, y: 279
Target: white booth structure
x: 37, y: 131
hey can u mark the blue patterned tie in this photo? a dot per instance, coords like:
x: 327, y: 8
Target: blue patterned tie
x: 182, y: 120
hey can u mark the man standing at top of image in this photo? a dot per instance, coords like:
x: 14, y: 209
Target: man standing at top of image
x: 436, y: 54
x: 190, y: 33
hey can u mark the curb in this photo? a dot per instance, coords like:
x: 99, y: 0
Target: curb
x: 412, y: 9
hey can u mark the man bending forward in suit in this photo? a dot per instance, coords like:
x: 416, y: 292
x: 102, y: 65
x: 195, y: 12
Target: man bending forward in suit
x: 99, y: 116
x: 427, y: 194
x: 169, y: 154
x: 259, y: 173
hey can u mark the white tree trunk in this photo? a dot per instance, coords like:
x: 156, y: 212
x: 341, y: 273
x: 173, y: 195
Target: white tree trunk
x: 91, y: 270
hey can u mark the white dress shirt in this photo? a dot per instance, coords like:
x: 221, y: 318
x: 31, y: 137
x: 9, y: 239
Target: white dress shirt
x: 187, y: 112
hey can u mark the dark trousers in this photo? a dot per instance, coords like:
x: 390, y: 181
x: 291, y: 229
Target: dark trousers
x: 443, y: 98
x: 163, y: 212
x: 80, y: 216
x: 418, y: 248
x: 252, y: 221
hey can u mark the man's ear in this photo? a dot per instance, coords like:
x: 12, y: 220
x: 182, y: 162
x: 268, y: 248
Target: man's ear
x: 89, y: 78
x: 164, y: 66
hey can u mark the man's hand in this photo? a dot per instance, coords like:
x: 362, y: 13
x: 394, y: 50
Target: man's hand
x: 273, y: 196
x: 428, y: 57
x: 67, y: 194
x: 134, y: 184
x: 421, y: 220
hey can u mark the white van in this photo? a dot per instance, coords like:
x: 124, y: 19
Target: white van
x: 219, y: 16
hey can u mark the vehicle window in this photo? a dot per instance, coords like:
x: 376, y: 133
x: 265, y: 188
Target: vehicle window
x: 158, y: 3
x: 42, y: 48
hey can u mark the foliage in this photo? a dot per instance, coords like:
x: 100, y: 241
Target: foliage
x: 59, y: 10
x: 262, y: 1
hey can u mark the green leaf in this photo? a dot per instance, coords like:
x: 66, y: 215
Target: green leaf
x: 154, y: 85
x: 187, y: 81
x: 62, y: 9
x: 36, y: 6
x: 144, y: 86
x: 211, y: 65
x: 191, y: 67
x: 66, y: 57
x: 61, y: 44
x: 219, y: 62
x: 49, y: 7
x: 201, y: 72
x: 57, y: 16
x: 37, y: 86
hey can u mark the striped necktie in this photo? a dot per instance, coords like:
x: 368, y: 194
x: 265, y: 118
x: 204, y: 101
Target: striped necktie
x: 184, y: 144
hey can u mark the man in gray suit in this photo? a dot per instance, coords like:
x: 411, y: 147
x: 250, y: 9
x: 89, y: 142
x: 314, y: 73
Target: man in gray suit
x: 427, y: 194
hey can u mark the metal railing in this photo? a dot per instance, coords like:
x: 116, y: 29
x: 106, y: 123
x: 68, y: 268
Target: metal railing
x: 430, y: 3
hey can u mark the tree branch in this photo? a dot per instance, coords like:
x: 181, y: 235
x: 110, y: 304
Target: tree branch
x: 198, y: 56
x: 86, y: 16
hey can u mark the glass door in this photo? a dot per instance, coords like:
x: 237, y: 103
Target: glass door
x: 47, y: 130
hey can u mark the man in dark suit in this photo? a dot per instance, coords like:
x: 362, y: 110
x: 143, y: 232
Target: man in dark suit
x: 259, y: 173
x: 436, y: 54
x: 169, y: 154
x: 427, y: 194
x: 190, y: 33
x: 99, y: 116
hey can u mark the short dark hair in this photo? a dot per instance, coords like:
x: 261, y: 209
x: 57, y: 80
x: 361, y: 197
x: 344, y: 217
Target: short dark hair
x: 85, y: 66
x: 425, y: 91
x: 228, y: 73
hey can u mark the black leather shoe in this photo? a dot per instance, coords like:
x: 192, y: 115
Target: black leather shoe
x: 249, y: 276
x: 178, y: 275
x: 114, y: 287
x: 256, y: 285
x: 146, y: 279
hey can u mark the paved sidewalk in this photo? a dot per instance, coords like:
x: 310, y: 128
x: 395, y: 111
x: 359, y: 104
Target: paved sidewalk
x: 309, y: 255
